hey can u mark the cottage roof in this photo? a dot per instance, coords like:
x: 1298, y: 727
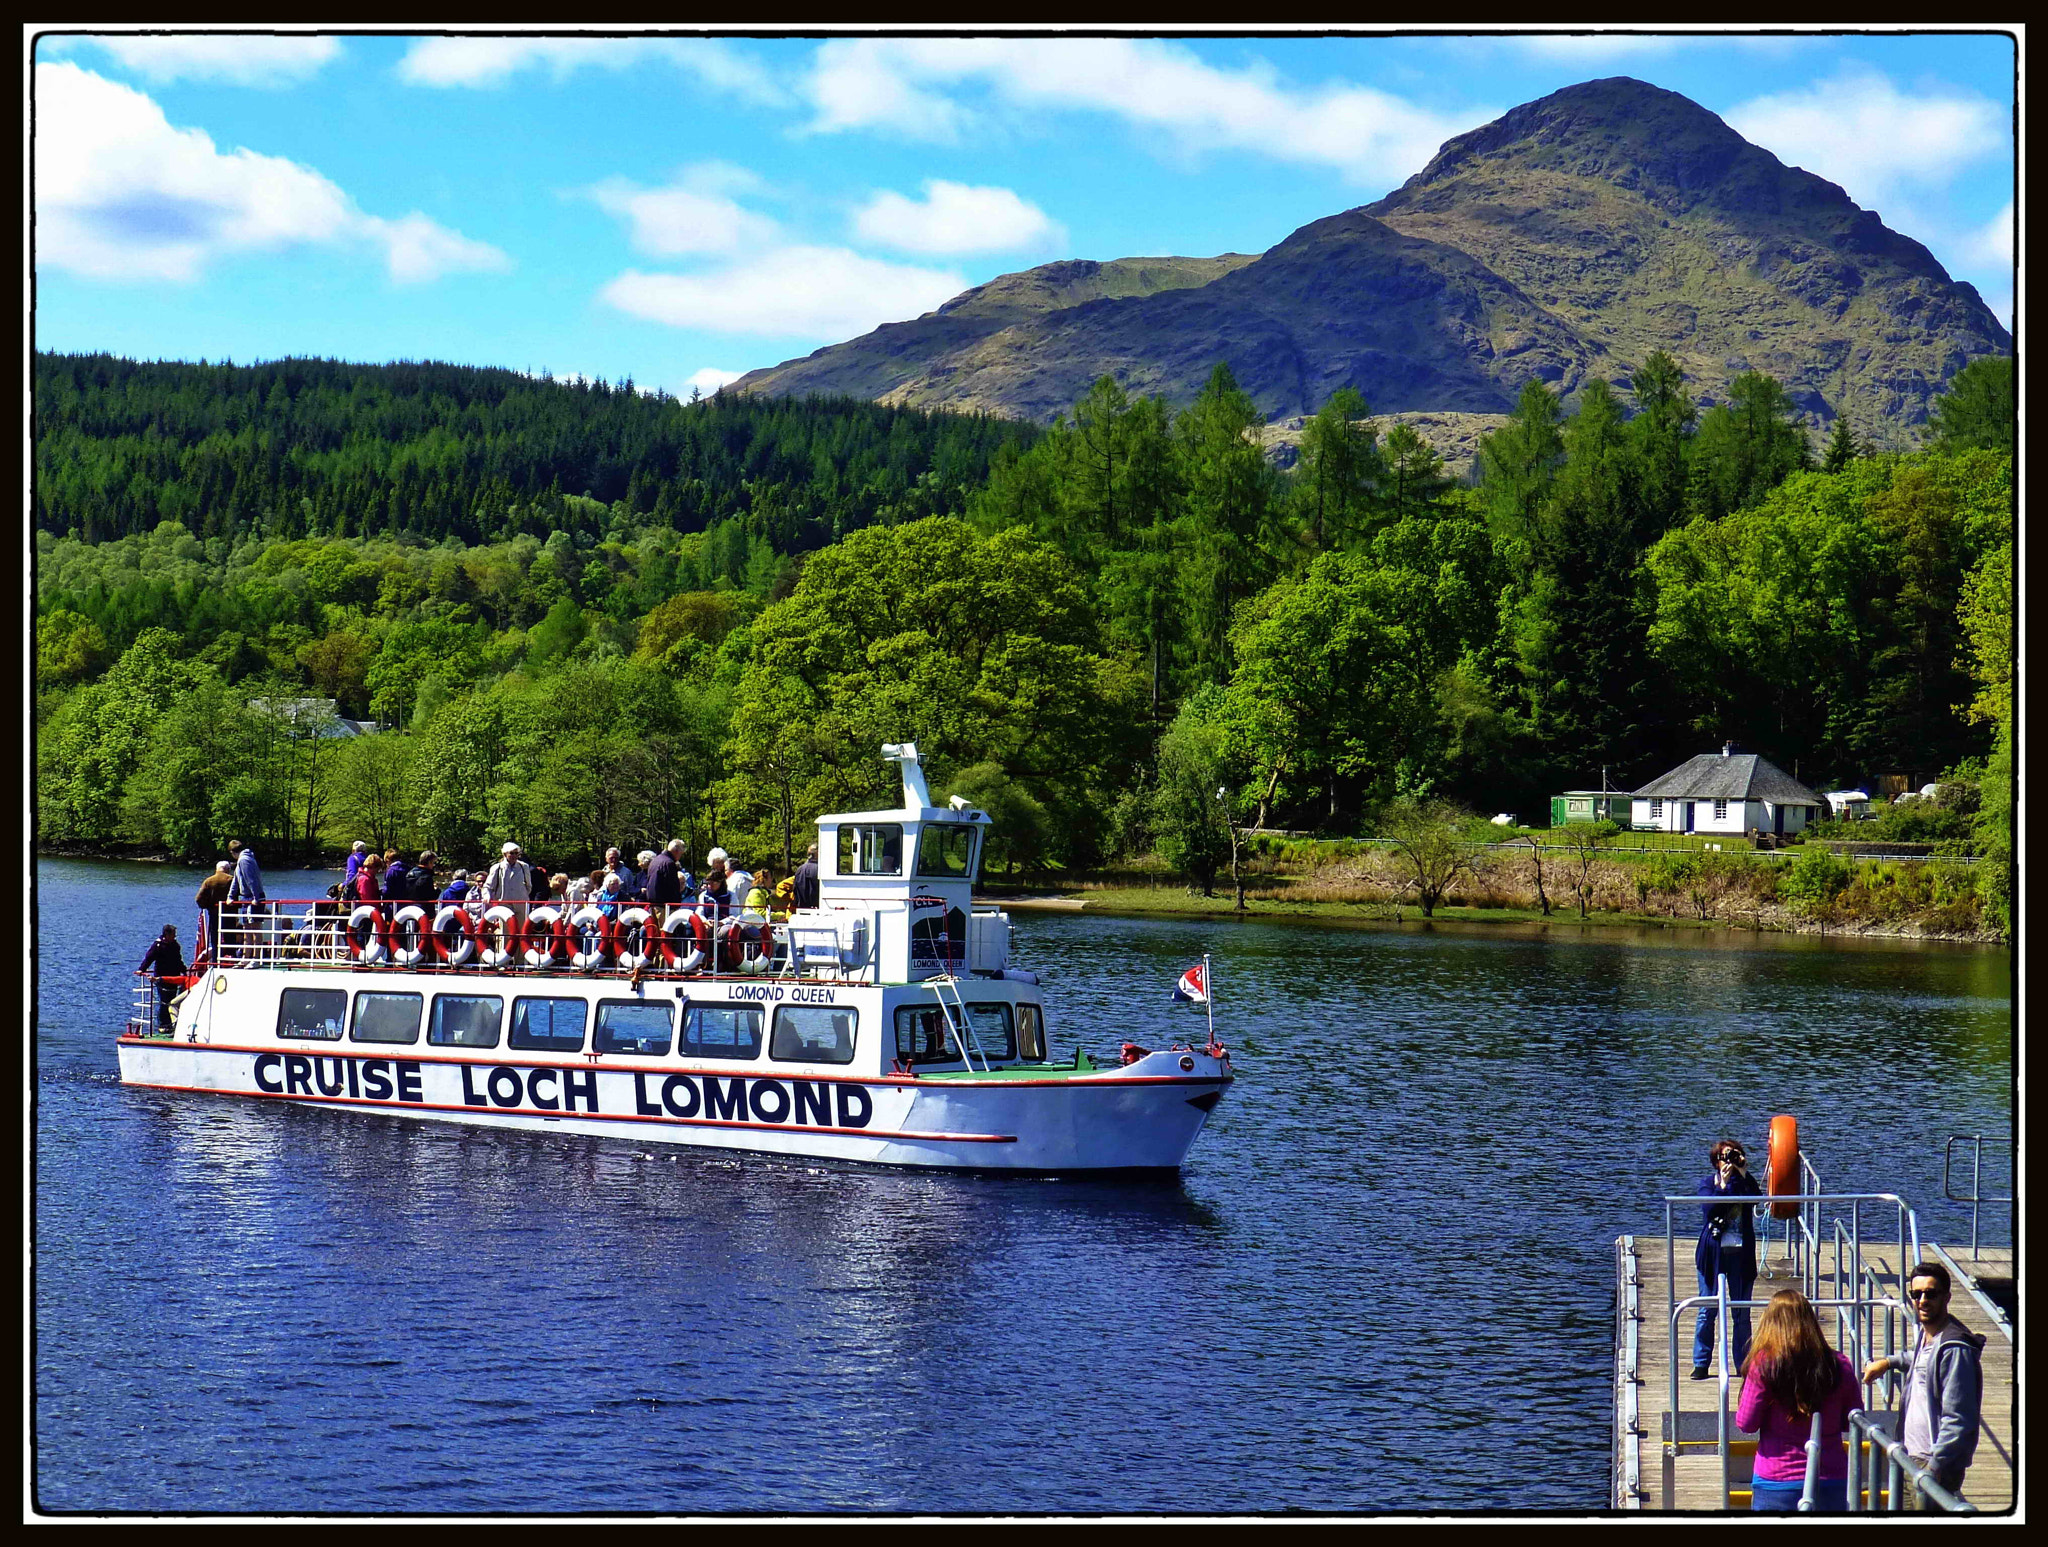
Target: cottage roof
x: 1730, y: 776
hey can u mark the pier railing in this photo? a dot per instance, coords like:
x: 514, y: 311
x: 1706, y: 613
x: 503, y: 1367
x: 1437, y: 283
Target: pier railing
x: 1894, y: 1475
x: 1976, y: 1197
x: 1869, y: 1305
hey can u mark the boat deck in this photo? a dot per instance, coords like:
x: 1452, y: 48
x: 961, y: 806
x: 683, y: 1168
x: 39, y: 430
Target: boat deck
x: 1643, y: 1472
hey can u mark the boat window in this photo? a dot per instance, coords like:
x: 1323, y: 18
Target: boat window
x: 316, y: 1013
x: 921, y: 1035
x: 546, y: 1025
x: 1031, y: 1033
x: 632, y: 1026
x: 813, y: 1034
x: 871, y: 849
x: 465, y: 1020
x: 721, y: 1031
x: 386, y: 1018
x: 991, y: 1023
x: 945, y: 849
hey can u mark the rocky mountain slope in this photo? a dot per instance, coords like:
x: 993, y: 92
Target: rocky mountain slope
x: 1565, y: 240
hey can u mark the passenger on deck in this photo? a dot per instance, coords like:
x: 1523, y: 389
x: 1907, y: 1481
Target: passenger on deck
x: 509, y: 881
x: 558, y: 889
x: 663, y: 878
x: 615, y: 865
x: 213, y: 891
x: 394, y: 875
x: 246, y: 889
x: 1727, y: 1245
x: 640, y: 874
x: 366, y: 887
x: 761, y: 896
x: 578, y: 891
x: 420, y: 884
x: 1790, y: 1375
x: 536, y: 881
x: 457, y: 889
x: 165, y: 959
x: 738, y: 881
x: 609, y: 898
x: 358, y: 853
x: 715, y: 902
x: 806, y: 879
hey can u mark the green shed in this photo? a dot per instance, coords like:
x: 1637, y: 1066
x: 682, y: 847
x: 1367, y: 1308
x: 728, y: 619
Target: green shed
x: 1589, y: 806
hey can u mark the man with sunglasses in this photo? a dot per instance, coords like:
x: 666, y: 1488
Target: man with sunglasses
x: 1944, y: 1384
x: 1727, y: 1246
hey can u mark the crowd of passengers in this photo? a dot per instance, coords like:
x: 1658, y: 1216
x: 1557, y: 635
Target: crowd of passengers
x: 660, y: 880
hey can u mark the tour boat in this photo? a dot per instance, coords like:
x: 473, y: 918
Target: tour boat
x: 886, y: 1025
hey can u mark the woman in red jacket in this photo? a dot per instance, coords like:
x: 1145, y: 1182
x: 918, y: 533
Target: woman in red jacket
x: 1790, y: 1375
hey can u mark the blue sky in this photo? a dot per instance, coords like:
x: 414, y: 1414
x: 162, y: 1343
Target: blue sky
x: 681, y: 210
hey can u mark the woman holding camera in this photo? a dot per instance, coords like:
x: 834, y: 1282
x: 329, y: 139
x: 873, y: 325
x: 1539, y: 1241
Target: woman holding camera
x: 1727, y: 1247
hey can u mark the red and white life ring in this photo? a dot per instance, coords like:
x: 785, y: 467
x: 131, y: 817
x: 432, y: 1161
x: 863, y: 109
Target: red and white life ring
x: 547, y: 938
x: 411, y: 940
x: 454, y: 935
x: 366, y: 934
x: 632, y: 948
x: 590, y: 936
x: 499, y: 935
x: 685, y: 938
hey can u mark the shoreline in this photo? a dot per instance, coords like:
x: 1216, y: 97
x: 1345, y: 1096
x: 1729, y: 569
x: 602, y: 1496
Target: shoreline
x: 1525, y: 922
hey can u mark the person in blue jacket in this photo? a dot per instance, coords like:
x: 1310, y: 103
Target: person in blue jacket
x: 1727, y: 1246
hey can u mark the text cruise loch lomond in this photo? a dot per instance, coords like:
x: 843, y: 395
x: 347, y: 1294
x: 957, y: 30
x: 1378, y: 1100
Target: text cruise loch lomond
x: 884, y: 1026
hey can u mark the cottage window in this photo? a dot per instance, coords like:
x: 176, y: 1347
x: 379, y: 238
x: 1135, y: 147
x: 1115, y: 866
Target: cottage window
x: 1720, y: 810
x: 1656, y: 810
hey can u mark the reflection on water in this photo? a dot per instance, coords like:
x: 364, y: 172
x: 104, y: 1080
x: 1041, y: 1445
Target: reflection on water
x: 1387, y: 1265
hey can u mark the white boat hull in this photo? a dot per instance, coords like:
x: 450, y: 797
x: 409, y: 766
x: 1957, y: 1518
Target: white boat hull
x: 1142, y: 1117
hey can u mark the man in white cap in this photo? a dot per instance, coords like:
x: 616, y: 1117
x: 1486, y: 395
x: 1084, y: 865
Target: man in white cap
x: 508, y: 881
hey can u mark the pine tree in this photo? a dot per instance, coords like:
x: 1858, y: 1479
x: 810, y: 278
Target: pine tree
x: 1842, y: 447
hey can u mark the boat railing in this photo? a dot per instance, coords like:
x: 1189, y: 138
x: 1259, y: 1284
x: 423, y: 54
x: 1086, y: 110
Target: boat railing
x: 1976, y: 1197
x: 314, y: 932
x: 1869, y: 1305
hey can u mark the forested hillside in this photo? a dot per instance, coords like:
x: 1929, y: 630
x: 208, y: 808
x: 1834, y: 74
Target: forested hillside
x: 320, y: 448
x: 1090, y: 631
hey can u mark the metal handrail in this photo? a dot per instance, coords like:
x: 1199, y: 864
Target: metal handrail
x: 1813, y: 1448
x: 1900, y: 1471
x: 263, y: 934
x: 1856, y: 1310
x: 1976, y: 1198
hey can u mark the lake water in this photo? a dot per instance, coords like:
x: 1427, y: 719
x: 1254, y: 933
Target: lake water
x: 1384, y: 1281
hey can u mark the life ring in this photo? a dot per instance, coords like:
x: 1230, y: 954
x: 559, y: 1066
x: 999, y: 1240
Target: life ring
x: 683, y: 939
x: 454, y: 935
x: 366, y: 934
x: 499, y: 935
x: 757, y: 951
x: 547, y: 939
x: 410, y: 937
x: 1781, y: 1165
x: 590, y: 935
x: 631, y: 947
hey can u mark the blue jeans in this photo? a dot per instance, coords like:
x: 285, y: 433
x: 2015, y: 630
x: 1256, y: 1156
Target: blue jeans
x: 1830, y: 1496
x: 1739, y: 1286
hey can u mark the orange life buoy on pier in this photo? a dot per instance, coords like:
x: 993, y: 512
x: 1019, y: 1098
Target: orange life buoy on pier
x: 1782, y: 1165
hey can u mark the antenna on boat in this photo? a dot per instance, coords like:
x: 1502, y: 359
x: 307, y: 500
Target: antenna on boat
x: 915, y: 795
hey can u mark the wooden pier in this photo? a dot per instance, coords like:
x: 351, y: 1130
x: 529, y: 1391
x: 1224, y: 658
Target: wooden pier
x: 1650, y: 1473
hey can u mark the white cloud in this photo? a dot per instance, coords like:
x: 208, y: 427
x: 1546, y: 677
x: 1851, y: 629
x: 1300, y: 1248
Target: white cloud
x: 417, y: 249
x: 828, y: 292
x: 711, y: 378
x: 1859, y: 130
x: 905, y: 85
x: 693, y: 214
x: 1990, y: 246
x: 121, y: 194
x: 231, y: 61
x: 480, y: 62
x: 956, y: 218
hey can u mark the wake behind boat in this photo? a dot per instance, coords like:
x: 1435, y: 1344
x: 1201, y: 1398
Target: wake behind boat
x: 885, y: 1025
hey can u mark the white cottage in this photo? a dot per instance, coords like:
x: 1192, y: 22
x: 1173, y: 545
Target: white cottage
x: 1733, y: 793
